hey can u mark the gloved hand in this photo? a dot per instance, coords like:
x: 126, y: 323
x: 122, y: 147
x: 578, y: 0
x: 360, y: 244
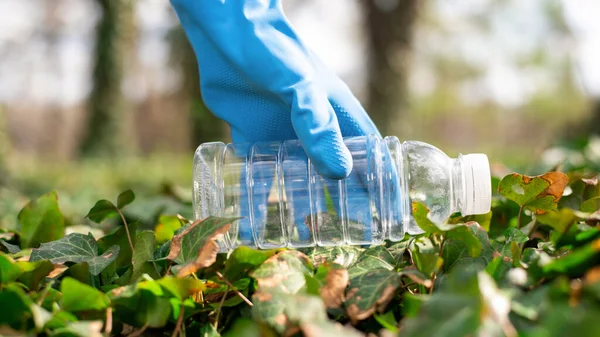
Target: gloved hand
x: 258, y: 76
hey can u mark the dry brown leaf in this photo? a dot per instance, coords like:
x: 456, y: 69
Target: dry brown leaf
x: 356, y: 314
x: 207, y: 255
x: 176, y: 241
x: 332, y: 292
x: 557, y: 182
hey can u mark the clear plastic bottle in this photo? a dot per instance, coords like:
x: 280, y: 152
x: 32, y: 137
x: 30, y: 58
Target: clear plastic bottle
x: 285, y: 202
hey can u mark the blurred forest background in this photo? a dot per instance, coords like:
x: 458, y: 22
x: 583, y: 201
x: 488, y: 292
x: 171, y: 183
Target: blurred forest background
x: 97, y: 96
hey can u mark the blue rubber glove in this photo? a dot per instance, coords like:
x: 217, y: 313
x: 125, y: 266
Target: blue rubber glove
x: 258, y: 76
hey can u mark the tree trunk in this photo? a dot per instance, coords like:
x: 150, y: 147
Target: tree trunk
x: 205, y: 126
x: 389, y: 33
x: 108, y: 124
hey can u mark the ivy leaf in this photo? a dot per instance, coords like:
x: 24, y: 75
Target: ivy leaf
x: 559, y: 220
x: 103, y: 209
x: 9, y: 271
x: 76, y: 248
x: 471, y: 249
x: 207, y: 254
x: 81, y: 297
x: 41, y: 221
x: 13, y: 249
x: 285, y: 312
x: 373, y: 258
x: 467, y: 303
x: 370, y: 292
x: 244, y: 260
x: 33, y: 273
x: 576, y: 261
x: 125, y: 198
x: 16, y: 309
x: 149, y: 302
x: 343, y: 255
x: 329, y: 282
x: 167, y: 225
x: 143, y: 253
x: 539, y: 194
x: 591, y: 205
x: 420, y: 214
x: 425, y: 256
x: 190, y: 239
x: 119, y: 238
x: 283, y: 272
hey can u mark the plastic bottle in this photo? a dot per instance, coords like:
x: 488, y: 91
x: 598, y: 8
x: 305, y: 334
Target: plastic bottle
x: 285, y: 202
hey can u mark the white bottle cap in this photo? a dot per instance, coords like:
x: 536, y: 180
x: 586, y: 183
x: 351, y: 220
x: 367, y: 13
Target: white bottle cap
x: 478, y: 184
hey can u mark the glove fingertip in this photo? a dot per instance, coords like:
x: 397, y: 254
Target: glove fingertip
x: 333, y: 161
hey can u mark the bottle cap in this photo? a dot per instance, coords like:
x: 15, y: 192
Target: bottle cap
x: 478, y: 184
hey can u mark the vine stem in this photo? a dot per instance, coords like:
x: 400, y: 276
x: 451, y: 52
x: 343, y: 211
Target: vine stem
x: 179, y: 321
x: 126, y: 229
x: 234, y: 289
x: 519, y: 217
x: 220, y: 307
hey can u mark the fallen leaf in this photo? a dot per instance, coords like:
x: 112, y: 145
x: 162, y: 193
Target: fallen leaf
x: 336, y: 282
x: 207, y: 254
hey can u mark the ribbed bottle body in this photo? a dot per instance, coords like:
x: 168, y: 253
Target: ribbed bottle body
x: 283, y: 201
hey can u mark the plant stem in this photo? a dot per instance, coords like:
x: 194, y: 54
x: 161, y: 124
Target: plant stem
x: 519, y: 217
x: 220, y: 307
x: 533, y: 227
x: 126, y: 230
x: 234, y: 289
x: 179, y: 321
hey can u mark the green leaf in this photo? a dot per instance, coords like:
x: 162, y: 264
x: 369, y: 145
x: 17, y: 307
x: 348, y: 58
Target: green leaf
x: 215, y: 291
x: 9, y: 271
x: 76, y: 248
x: 15, y: 308
x: 370, y: 292
x: 33, y: 273
x: 591, y: 205
x: 467, y: 303
x: 103, y: 209
x: 540, y: 193
x: 577, y: 261
x: 181, y: 288
x: 282, y: 312
x: 81, y: 297
x: 143, y: 252
x: 192, y: 238
x: 462, y: 250
x: 41, y: 221
x: 343, y: 255
x: 420, y: 214
x: 142, y: 304
x: 13, y: 249
x: 249, y: 328
x: 119, y: 238
x: 284, y: 272
x: 388, y: 321
x: 373, y: 258
x: 208, y: 330
x: 559, y: 220
x: 244, y: 260
x: 166, y: 228
x: 125, y: 198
